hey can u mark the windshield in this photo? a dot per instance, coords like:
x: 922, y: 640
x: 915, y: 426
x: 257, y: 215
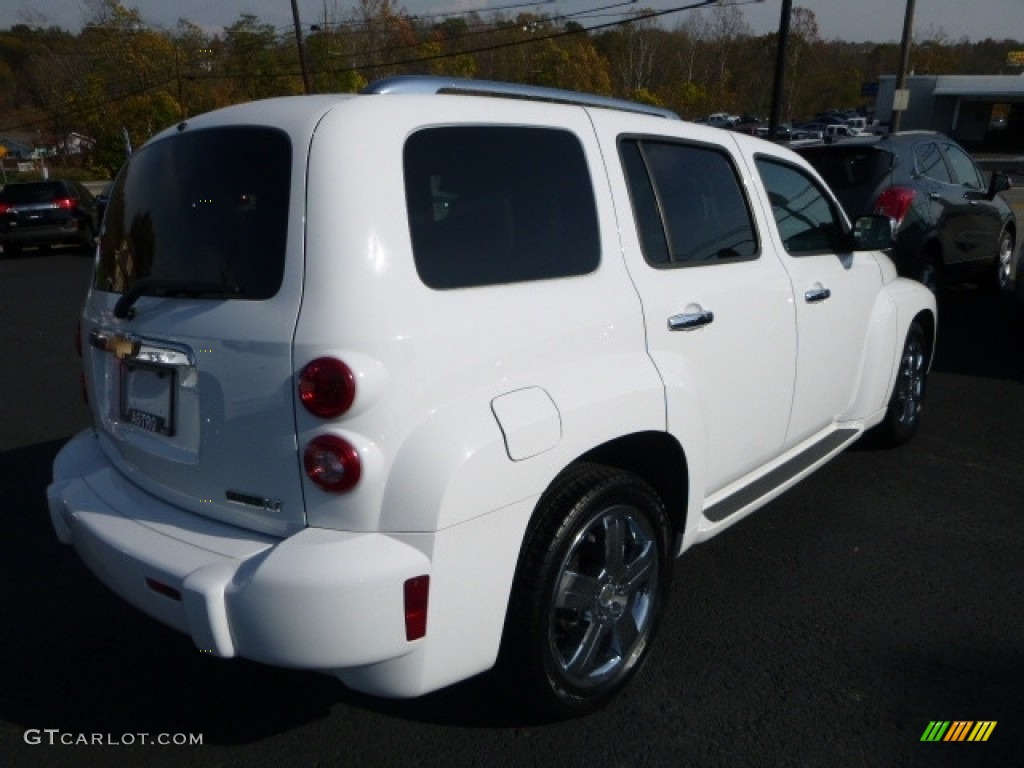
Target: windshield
x: 208, y: 207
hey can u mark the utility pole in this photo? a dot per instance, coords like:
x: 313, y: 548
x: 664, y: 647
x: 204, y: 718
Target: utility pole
x: 780, y: 68
x: 307, y: 88
x: 901, y: 99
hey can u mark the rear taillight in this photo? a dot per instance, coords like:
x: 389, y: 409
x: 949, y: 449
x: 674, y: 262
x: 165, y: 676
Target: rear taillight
x: 327, y: 387
x: 5, y: 207
x: 416, y: 592
x: 332, y: 463
x: 895, y: 203
x: 65, y: 202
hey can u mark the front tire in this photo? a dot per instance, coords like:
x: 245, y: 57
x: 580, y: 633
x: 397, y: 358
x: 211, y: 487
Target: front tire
x: 591, y: 584
x: 903, y: 414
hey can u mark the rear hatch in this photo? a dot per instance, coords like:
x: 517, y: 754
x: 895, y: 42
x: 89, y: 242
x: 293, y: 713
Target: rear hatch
x: 857, y: 173
x: 187, y: 331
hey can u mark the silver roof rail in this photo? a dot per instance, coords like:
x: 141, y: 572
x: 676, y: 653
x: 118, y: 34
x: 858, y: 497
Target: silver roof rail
x: 434, y: 84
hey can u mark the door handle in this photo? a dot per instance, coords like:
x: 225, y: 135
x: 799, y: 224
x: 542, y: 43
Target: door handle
x: 817, y: 295
x: 689, y: 321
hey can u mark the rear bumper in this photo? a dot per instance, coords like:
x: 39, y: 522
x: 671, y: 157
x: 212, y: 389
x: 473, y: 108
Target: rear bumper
x: 70, y: 233
x: 320, y: 599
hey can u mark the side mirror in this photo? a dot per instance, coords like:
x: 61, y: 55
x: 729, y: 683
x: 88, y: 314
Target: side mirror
x: 1000, y: 183
x: 872, y: 232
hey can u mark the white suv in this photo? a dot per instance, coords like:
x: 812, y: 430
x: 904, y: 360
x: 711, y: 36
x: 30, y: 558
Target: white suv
x: 398, y: 384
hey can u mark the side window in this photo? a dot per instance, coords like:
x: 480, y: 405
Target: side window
x: 965, y: 172
x: 688, y: 204
x: 808, y: 222
x: 930, y: 163
x: 496, y: 204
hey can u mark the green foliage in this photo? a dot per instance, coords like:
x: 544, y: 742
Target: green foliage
x: 118, y: 75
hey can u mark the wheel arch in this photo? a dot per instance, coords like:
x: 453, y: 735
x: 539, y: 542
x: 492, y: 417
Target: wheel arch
x: 659, y: 460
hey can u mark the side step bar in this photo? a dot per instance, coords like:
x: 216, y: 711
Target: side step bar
x: 781, y: 475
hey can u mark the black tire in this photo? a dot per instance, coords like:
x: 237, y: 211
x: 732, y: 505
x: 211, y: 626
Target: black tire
x: 88, y: 243
x: 929, y: 274
x: 592, y: 581
x: 903, y: 414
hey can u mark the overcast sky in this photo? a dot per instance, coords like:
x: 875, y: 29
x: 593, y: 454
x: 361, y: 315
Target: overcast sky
x: 851, y: 20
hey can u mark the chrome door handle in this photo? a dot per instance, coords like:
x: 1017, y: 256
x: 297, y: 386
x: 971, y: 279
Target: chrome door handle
x: 688, y: 321
x: 816, y: 295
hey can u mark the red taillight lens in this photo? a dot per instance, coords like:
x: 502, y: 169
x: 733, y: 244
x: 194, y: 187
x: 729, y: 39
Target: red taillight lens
x: 333, y: 463
x: 65, y: 202
x: 416, y: 591
x: 895, y: 202
x: 5, y: 207
x: 327, y: 387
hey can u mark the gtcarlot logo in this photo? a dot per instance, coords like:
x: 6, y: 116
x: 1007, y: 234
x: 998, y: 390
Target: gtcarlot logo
x: 958, y: 730
x: 55, y: 737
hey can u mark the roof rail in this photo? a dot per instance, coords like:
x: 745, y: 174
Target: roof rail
x: 434, y: 84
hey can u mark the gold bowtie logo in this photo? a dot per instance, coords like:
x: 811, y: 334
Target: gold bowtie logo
x: 121, y: 347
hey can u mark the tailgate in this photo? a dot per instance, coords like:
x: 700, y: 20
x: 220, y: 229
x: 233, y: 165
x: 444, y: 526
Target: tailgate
x: 187, y: 331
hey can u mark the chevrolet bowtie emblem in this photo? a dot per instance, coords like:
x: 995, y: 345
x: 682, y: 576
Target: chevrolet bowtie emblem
x: 122, y: 348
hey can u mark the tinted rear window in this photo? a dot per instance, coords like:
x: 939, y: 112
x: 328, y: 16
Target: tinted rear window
x: 845, y: 167
x: 209, y: 206
x: 42, y: 192
x: 492, y: 204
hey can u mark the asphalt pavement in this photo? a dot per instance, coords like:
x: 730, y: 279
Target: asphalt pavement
x: 832, y: 628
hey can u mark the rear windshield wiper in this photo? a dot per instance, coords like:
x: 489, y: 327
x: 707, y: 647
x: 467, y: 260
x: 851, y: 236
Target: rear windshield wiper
x: 158, y: 287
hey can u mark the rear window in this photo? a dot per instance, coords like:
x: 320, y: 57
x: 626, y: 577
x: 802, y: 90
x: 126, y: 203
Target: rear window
x: 208, y: 207
x: 41, y: 192
x: 849, y: 167
x: 493, y: 204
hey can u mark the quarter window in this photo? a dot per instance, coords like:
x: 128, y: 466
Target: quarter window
x: 493, y: 204
x: 807, y: 220
x: 688, y: 203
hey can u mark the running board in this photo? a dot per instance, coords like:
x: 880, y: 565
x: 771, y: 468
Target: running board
x: 781, y: 475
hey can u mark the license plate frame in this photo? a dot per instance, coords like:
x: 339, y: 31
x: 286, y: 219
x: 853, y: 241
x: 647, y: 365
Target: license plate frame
x: 147, y: 397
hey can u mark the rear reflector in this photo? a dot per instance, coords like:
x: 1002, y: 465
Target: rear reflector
x: 163, y: 589
x: 416, y: 593
x: 333, y: 463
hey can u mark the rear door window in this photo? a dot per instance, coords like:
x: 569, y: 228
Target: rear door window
x: 930, y: 163
x: 965, y: 172
x: 499, y: 204
x: 689, y: 204
x: 203, y: 208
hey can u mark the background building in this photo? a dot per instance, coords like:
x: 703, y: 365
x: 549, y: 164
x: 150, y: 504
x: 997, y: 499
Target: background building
x: 984, y: 112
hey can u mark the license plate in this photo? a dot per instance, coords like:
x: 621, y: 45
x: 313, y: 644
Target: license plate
x: 147, y: 398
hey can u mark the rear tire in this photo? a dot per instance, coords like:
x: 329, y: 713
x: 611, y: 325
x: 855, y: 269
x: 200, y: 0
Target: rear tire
x: 929, y: 274
x: 591, y: 583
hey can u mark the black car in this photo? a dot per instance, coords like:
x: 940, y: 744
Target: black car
x: 46, y: 213
x: 949, y: 224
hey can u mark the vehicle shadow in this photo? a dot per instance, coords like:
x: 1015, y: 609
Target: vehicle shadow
x: 79, y: 658
x: 980, y: 334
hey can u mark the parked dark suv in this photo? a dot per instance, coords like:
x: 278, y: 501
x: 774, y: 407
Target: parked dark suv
x: 45, y: 213
x: 950, y: 225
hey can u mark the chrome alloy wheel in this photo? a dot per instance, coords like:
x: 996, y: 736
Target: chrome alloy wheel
x: 1006, y: 248
x: 910, y: 380
x: 604, y: 604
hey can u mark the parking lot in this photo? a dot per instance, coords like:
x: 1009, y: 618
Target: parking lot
x: 830, y: 629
